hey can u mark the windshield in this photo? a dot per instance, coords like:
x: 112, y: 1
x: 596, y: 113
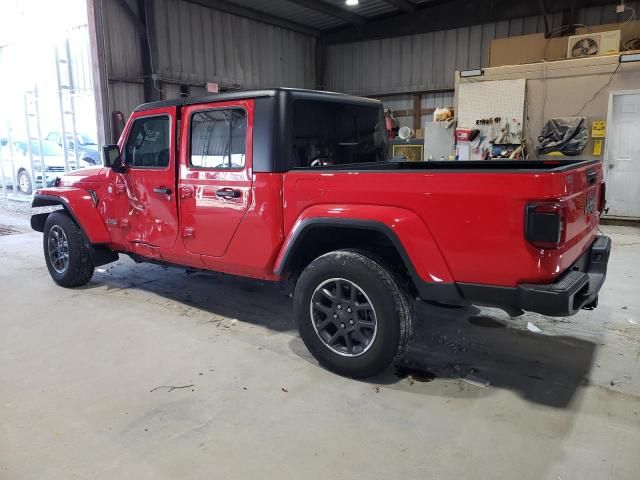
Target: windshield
x: 49, y: 149
x: 332, y: 133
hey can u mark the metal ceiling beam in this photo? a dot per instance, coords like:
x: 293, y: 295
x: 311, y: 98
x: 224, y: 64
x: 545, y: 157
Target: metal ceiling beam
x: 404, y: 5
x: 250, y: 13
x: 331, y: 10
x: 447, y: 14
x: 141, y: 28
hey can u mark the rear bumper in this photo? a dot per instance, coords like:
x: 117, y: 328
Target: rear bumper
x: 575, y: 289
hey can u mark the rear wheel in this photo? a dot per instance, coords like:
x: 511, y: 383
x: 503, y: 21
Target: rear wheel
x: 66, y: 252
x: 352, y: 313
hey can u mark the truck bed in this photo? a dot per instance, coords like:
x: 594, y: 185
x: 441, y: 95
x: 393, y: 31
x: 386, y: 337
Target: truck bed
x: 474, y: 212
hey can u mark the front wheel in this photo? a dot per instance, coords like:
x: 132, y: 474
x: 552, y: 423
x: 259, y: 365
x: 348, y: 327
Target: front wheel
x: 352, y: 314
x: 24, y: 182
x: 66, y: 252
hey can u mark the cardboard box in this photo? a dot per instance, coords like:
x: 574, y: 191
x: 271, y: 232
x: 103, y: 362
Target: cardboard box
x: 526, y: 49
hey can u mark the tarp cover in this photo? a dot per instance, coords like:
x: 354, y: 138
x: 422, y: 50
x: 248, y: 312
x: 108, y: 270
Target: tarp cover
x: 568, y: 135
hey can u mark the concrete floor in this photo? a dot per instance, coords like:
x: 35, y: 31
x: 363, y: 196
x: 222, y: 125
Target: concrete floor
x: 85, y: 379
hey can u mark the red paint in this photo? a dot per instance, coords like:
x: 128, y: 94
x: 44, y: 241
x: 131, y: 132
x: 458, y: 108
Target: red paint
x: 454, y: 226
x: 205, y: 208
x: 80, y: 203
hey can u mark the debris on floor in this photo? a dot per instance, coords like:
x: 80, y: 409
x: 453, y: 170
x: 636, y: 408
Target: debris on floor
x: 533, y: 328
x: 475, y: 380
x: 171, y: 388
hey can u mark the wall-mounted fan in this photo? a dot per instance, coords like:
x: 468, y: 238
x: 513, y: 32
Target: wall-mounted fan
x: 585, y: 47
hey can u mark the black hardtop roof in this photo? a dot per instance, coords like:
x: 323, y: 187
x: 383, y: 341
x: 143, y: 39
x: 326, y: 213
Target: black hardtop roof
x: 272, y: 92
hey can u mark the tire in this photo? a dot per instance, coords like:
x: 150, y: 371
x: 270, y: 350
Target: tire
x: 345, y: 345
x: 24, y: 182
x: 61, y: 231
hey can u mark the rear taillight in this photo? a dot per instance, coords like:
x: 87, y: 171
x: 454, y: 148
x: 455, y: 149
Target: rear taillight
x: 545, y: 224
x: 602, y: 203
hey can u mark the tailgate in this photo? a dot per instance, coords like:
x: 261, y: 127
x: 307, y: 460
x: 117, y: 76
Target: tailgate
x: 563, y: 225
x: 584, y: 189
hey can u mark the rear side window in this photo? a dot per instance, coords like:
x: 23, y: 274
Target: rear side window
x: 148, y: 143
x: 218, y: 139
x: 334, y: 133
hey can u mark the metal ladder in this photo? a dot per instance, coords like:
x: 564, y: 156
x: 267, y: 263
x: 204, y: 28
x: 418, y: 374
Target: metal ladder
x: 32, y: 115
x: 66, y: 93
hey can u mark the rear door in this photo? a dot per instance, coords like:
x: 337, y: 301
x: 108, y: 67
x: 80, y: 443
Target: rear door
x: 142, y: 207
x: 215, y: 176
x: 623, y: 156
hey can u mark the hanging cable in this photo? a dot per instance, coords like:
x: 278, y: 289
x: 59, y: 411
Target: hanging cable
x: 595, y: 95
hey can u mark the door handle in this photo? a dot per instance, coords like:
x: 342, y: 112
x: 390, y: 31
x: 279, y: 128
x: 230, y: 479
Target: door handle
x: 228, y: 193
x: 162, y: 190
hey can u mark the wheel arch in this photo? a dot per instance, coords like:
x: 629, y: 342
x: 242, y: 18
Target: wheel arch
x: 80, y: 205
x: 312, y: 237
x: 100, y: 254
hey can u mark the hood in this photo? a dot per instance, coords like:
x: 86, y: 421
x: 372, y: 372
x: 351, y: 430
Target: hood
x: 49, y: 160
x: 91, y: 174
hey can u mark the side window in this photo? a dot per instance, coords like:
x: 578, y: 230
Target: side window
x: 218, y: 139
x: 148, y: 143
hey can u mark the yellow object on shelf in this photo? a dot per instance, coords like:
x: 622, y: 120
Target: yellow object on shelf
x: 597, y: 146
x: 599, y: 129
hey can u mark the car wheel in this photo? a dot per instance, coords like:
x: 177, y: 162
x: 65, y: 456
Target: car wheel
x: 66, y: 251
x: 352, y: 313
x: 24, y: 182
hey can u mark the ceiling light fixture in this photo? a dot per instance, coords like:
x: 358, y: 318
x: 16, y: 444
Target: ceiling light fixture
x: 471, y: 73
x: 630, y: 57
x: 351, y: 3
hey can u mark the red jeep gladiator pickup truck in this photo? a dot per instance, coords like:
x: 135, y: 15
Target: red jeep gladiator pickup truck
x: 297, y: 186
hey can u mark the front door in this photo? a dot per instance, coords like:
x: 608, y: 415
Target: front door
x: 142, y: 211
x: 622, y: 166
x: 215, y: 174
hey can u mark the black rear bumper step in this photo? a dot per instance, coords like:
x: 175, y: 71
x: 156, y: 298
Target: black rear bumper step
x: 577, y: 288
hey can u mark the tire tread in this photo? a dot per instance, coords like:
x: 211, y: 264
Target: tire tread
x: 399, y: 298
x: 81, y: 268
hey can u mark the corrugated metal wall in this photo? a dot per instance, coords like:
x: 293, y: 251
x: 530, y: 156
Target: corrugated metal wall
x: 196, y: 45
x: 405, y: 102
x: 428, y: 61
x: 123, y: 58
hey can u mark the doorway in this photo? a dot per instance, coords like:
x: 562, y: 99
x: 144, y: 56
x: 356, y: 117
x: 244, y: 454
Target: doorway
x: 622, y: 159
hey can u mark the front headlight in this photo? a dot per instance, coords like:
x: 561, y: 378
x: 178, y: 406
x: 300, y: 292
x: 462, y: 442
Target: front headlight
x: 52, y: 181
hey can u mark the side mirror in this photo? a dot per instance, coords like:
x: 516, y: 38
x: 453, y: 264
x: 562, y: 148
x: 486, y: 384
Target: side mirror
x: 112, y: 158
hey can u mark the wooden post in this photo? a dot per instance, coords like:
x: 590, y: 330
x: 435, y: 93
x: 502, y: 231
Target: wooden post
x: 417, y: 111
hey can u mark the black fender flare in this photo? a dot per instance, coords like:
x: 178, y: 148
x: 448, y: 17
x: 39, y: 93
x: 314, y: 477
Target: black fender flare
x: 100, y: 254
x: 442, y: 292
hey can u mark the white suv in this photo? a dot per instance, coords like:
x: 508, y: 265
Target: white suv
x: 52, y: 156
